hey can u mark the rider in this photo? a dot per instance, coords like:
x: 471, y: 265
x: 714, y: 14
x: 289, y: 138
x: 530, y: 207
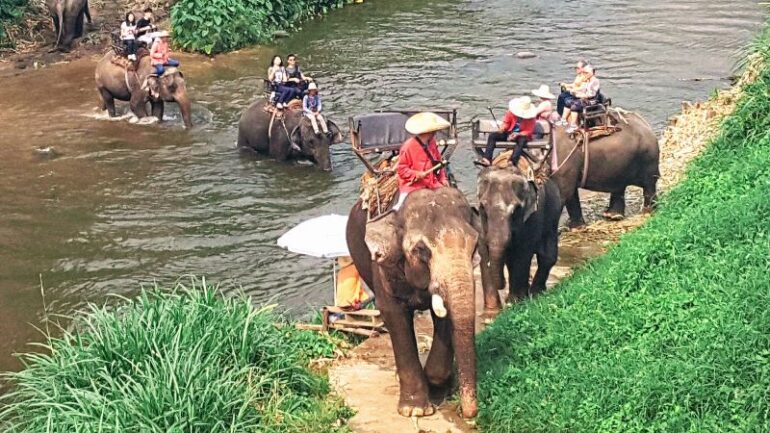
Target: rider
x: 159, y: 54
x: 128, y: 35
x: 311, y: 107
x: 545, y: 113
x: 145, y: 28
x: 277, y: 76
x: 295, y: 78
x: 518, y: 125
x: 588, y: 90
x: 419, y: 160
x: 567, y: 89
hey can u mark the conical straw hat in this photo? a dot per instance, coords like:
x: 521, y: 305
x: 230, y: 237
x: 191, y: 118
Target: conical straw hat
x: 422, y: 123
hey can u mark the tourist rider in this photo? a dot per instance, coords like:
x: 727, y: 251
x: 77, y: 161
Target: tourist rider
x: 586, y: 92
x: 128, y: 35
x: 159, y: 54
x: 419, y: 160
x: 567, y: 89
x: 545, y: 112
x: 311, y: 107
x: 276, y: 75
x: 145, y: 28
x: 295, y: 78
x: 518, y: 126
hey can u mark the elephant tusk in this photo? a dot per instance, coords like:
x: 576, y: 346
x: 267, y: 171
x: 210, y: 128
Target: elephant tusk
x: 438, y: 306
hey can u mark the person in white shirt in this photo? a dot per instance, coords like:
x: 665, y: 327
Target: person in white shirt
x: 588, y: 90
x: 128, y: 35
x: 545, y: 111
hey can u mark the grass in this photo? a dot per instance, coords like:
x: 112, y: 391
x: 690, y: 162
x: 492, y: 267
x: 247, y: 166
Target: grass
x: 668, y: 332
x: 179, y: 360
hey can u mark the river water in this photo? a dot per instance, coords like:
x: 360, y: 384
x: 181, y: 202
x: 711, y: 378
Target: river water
x: 124, y: 205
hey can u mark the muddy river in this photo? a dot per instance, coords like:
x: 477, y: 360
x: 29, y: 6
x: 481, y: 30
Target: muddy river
x: 121, y: 204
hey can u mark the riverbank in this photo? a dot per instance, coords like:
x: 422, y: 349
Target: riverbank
x: 179, y: 359
x: 667, y: 332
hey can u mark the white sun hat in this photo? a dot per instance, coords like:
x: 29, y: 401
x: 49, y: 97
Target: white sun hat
x: 523, y: 108
x: 544, y: 92
x: 422, y: 123
x: 312, y: 86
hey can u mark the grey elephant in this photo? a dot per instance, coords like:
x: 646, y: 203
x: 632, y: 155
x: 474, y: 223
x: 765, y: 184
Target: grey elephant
x: 518, y: 219
x: 420, y: 258
x: 68, y: 16
x: 288, y: 137
x: 628, y: 157
x: 140, y: 87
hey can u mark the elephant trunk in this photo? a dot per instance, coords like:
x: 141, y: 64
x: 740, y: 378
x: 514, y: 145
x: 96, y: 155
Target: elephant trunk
x: 185, y: 107
x: 323, y: 157
x: 492, y: 276
x: 453, y: 271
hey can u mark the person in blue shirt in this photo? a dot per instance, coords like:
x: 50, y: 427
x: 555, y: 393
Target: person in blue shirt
x: 311, y: 107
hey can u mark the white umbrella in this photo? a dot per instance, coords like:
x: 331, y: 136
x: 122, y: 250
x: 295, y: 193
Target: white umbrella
x: 322, y: 236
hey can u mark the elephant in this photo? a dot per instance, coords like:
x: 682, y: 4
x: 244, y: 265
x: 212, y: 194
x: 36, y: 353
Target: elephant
x: 518, y: 219
x: 116, y: 82
x: 418, y: 258
x: 289, y: 136
x: 627, y: 157
x: 68, y: 20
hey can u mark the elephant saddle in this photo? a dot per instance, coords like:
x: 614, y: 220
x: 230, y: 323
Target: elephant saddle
x: 538, y: 171
x: 123, y: 62
x: 378, y: 193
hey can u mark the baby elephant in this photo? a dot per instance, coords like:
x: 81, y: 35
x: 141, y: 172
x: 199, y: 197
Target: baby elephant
x: 518, y: 220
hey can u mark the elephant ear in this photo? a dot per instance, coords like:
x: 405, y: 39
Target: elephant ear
x: 383, y: 238
x: 530, y: 201
x: 337, y: 136
x: 296, y: 136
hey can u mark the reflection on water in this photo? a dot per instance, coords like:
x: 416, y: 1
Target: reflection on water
x: 125, y: 204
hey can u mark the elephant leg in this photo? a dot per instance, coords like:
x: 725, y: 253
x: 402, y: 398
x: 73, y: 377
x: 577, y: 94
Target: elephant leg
x: 438, y: 367
x: 79, y: 25
x: 138, y: 104
x: 158, y: 107
x: 650, y: 194
x: 617, y: 207
x: 414, y: 399
x: 492, y: 280
x: 575, y: 211
x: 546, y: 258
x: 108, y: 102
x: 518, y: 276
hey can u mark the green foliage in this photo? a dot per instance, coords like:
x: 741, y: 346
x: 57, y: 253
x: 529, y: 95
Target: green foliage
x: 670, y: 331
x: 185, y: 360
x: 11, y: 12
x: 214, y: 26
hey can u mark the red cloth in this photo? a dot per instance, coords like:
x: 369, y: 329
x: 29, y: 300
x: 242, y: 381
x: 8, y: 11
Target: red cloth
x: 526, y: 126
x: 159, y: 52
x: 412, y: 159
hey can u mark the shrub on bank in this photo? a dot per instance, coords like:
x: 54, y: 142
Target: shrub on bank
x: 185, y: 360
x: 11, y: 12
x: 670, y: 331
x: 214, y: 26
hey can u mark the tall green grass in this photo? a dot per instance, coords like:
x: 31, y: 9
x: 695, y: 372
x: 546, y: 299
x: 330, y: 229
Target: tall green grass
x: 183, y: 360
x: 668, y: 332
x: 215, y: 26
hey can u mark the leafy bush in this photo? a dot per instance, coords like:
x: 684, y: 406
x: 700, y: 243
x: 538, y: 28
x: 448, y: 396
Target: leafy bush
x: 670, y: 331
x: 11, y: 12
x: 214, y: 26
x: 186, y: 360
